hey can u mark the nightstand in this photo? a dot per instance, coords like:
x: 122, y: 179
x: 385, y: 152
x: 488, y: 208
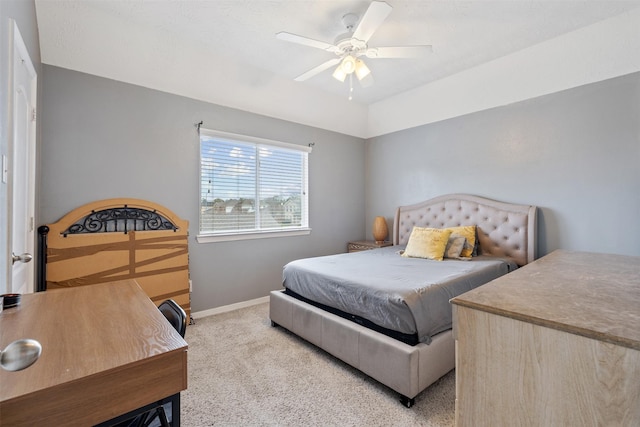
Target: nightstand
x: 365, y: 245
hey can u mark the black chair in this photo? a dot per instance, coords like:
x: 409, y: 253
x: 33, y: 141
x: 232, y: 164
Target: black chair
x: 178, y: 319
x: 175, y: 315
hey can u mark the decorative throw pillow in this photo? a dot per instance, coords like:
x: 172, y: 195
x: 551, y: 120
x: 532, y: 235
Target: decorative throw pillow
x: 455, y: 245
x: 469, y: 232
x: 427, y: 243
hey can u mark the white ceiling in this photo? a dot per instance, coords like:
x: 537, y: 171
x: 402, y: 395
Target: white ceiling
x: 216, y: 50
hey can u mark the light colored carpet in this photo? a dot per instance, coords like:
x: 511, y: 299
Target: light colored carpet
x: 244, y: 372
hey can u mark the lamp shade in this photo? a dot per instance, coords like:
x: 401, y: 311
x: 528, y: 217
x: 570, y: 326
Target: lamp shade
x: 339, y: 75
x: 361, y: 70
x: 348, y: 64
x: 380, y: 231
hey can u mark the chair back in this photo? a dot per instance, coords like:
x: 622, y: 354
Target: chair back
x: 175, y: 315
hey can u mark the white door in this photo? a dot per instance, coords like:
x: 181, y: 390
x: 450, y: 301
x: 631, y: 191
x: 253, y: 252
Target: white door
x: 22, y: 182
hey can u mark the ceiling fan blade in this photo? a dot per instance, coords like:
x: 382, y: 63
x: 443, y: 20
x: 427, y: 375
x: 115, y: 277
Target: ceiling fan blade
x: 371, y: 20
x: 294, y: 38
x: 399, y: 51
x: 317, y: 70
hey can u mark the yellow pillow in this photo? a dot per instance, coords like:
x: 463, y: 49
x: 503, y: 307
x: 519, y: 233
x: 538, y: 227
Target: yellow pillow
x: 469, y: 232
x: 427, y: 243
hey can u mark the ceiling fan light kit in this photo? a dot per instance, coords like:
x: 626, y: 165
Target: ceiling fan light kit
x: 361, y: 69
x: 339, y: 74
x: 350, y: 46
x: 350, y: 65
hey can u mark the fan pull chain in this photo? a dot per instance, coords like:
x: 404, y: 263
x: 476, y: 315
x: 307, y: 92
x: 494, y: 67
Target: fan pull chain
x: 350, y: 86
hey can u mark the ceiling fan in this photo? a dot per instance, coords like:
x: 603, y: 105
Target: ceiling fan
x: 353, y: 44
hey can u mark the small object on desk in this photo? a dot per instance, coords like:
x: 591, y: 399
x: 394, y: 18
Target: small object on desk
x: 10, y: 300
x: 365, y: 245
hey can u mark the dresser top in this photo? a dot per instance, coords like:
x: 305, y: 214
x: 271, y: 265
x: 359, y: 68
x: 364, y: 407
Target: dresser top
x: 588, y: 294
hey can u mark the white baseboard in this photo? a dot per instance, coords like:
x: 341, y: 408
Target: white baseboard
x: 230, y: 307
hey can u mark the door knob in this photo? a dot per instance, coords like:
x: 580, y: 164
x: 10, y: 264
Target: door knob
x: 25, y: 257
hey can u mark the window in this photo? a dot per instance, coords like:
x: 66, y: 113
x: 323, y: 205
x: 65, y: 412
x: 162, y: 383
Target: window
x: 251, y: 187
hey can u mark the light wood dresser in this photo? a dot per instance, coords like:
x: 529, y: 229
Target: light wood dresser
x: 555, y: 343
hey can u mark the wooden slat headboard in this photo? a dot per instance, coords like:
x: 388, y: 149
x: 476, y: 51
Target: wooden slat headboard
x: 118, y: 239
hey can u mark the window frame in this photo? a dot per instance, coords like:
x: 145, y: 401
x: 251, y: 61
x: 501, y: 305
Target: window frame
x: 222, y: 236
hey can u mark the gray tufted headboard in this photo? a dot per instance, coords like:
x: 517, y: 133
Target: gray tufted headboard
x: 504, y: 229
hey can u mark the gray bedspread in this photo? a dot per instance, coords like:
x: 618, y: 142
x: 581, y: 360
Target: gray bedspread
x: 408, y: 295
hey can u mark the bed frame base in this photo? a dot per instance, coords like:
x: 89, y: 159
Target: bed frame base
x: 405, y: 369
x: 406, y: 401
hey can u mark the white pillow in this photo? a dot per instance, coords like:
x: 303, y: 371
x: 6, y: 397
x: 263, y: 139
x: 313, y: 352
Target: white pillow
x: 455, y: 245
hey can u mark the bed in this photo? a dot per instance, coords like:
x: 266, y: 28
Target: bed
x: 117, y: 239
x: 406, y: 354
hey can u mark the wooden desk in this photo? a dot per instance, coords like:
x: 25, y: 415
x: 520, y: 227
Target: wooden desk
x: 555, y: 343
x: 106, y: 350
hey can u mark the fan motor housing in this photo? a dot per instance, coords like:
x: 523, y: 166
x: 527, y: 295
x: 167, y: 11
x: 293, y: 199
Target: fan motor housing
x: 347, y: 43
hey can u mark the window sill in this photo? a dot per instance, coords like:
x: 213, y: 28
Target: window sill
x: 211, y: 238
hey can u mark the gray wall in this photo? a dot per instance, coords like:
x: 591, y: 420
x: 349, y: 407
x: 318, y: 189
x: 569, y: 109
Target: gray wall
x: 104, y: 139
x: 24, y: 14
x: 575, y: 154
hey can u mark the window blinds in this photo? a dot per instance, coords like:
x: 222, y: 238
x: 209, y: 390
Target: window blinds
x: 249, y: 185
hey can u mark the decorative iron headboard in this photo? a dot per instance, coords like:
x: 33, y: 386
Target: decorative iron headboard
x: 122, y: 219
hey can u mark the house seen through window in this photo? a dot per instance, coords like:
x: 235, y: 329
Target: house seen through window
x: 251, y: 186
